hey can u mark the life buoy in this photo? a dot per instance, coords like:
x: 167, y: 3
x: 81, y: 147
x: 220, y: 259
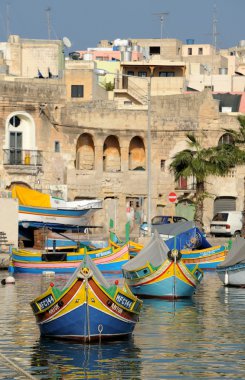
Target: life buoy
x: 174, y: 255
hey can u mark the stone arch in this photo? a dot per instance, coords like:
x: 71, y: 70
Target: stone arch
x: 137, y: 157
x: 111, y: 154
x: 19, y: 183
x: 85, y: 155
x: 226, y: 138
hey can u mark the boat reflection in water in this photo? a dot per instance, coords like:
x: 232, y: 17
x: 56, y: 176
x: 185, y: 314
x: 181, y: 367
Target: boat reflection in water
x: 66, y: 360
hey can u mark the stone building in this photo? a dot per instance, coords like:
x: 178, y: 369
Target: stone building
x: 65, y: 136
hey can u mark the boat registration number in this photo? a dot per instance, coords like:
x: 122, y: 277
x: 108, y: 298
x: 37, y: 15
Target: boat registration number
x: 124, y: 301
x: 46, y: 302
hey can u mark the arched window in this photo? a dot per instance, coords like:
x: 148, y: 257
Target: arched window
x: 227, y: 138
x: 137, y: 159
x: 111, y: 155
x: 85, y: 152
x: 20, y: 140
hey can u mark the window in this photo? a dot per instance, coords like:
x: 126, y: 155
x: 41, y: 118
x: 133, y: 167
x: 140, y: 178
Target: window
x: 15, y: 148
x: 131, y: 73
x: 200, y: 51
x: 182, y: 183
x: 166, y: 74
x: 57, y: 146
x: 154, y: 50
x: 189, y: 51
x: 77, y: 91
x: 142, y: 74
x: 162, y: 165
x: 15, y: 121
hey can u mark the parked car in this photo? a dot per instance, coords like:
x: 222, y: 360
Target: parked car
x: 161, y: 219
x: 226, y: 223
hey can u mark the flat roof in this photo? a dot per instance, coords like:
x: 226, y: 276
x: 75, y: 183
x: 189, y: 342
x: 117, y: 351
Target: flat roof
x: 153, y: 63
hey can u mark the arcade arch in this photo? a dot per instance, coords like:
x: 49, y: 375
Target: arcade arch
x: 111, y: 154
x: 137, y: 158
x: 85, y: 152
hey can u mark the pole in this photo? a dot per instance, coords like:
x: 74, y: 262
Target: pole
x: 149, y: 156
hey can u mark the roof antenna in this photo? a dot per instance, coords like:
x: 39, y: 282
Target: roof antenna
x: 8, y: 19
x: 48, y: 10
x: 161, y: 15
x: 214, y: 29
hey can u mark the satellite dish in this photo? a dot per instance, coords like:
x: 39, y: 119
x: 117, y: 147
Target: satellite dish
x: 66, y: 42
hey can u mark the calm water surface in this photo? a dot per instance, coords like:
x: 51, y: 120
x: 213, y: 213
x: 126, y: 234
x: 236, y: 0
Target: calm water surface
x: 199, y: 338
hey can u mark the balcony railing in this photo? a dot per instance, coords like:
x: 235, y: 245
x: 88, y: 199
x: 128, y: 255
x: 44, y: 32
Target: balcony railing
x: 22, y: 157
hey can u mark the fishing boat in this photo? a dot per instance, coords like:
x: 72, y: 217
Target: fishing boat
x: 109, y: 260
x: 37, y: 209
x: 207, y: 258
x: 160, y: 272
x: 180, y: 235
x: 191, y: 242
x: 232, y: 270
x: 133, y: 247
x: 71, y: 240
x: 87, y: 309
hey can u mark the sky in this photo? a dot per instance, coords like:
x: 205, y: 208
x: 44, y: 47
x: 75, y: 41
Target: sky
x: 86, y: 22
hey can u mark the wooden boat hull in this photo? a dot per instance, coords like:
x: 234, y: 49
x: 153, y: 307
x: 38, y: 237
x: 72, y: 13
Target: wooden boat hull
x: 48, y: 215
x: 108, y: 261
x: 172, y: 280
x: 86, y: 311
x: 233, y: 275
x: 206, y: 259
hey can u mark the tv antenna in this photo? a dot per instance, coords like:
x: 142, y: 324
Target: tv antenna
x: 214, y: 33
x: 161, y: 15
x: 8, y: 19
x: 66, y: 42
x: 214, y: 28
x: 48, y: 11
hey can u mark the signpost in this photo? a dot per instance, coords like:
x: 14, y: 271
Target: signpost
x: 172, y: 197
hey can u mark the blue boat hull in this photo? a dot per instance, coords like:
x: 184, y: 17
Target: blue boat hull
x: 75, y: 323
x: 168, y: 289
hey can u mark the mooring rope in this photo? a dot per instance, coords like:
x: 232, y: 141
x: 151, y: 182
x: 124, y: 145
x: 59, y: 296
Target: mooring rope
x: 11, y: 364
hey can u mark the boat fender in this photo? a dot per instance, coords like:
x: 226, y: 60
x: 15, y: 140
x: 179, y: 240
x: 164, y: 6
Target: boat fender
x: 174, y: 254
x: 8, y: 280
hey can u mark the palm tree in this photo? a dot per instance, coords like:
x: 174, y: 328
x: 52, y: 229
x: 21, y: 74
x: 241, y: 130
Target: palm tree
x: 199, y: 162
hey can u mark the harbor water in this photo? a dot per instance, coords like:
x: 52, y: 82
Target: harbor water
x: 199, y: 338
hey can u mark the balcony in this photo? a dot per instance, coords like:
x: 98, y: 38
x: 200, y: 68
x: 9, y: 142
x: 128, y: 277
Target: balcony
x: 182, y: 186
x: 22, y: 161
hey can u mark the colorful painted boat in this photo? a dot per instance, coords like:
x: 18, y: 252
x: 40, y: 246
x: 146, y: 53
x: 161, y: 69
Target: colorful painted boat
x: 71, y: 240
x: 159, y: 272
x: 54, y: 216
x: 133, y: 247
x: 206, y: 259
x: 193, y: 245
x: 87, y: 309
x: 181, y: 235
x: 38, y: 208
x: 108, y: 260
x: 232, y: 270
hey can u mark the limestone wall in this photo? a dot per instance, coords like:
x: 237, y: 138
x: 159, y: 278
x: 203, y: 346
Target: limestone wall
x: 64, y: 122
x: 9, y: 220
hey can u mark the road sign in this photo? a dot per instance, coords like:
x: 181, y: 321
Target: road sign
x: 172, y: 197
